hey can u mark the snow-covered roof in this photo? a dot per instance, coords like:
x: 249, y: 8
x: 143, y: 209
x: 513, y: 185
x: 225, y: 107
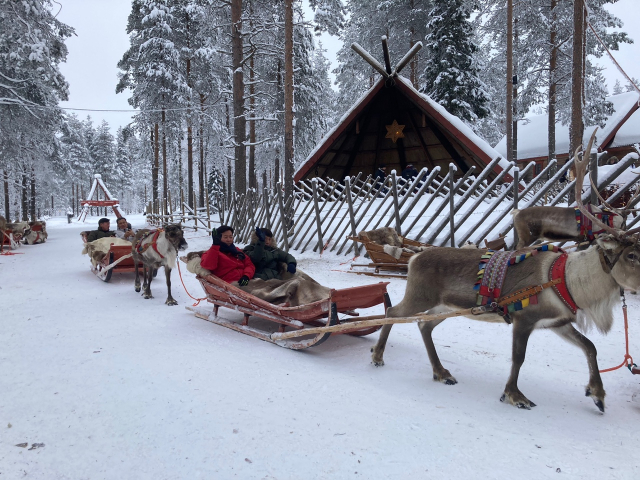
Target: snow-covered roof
x: 533, y: 136
x: 456, y: 126
x: 629, y: 131
x: 491, y: 152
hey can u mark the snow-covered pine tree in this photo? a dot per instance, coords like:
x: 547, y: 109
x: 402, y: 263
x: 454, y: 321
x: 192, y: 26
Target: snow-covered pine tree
x: 451, y: 72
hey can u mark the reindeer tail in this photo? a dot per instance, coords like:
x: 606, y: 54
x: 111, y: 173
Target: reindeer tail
x: 514, y: 212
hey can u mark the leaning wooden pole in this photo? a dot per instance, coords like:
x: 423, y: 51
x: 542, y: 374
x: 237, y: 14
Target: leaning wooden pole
x: 376, y: 320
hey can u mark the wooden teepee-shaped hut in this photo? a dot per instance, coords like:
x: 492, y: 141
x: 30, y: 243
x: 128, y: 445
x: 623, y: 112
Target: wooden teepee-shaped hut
x: 108, y: 200
x: 395, y: 125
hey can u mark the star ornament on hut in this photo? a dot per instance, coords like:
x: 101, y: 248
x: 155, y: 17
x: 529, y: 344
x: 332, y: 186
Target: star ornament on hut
x: 394, y: 131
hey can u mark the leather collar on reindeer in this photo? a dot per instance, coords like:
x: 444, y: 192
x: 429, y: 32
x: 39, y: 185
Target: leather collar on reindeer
x: 140, y: 248
x: 585, y: 225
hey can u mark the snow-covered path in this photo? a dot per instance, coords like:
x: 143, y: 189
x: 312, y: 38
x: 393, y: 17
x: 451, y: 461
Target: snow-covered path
x: 118, y: 387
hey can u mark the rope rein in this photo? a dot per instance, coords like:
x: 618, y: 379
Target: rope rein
x: 198, y: 300
x: 627, y: 361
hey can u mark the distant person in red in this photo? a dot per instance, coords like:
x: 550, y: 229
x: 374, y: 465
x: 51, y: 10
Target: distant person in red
x: 225, y: 261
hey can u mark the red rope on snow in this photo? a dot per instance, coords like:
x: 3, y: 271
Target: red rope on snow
x: 628, y: 361
x: 185, y: 288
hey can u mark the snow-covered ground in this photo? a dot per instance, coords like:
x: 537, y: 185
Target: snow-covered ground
x: 118, y: 387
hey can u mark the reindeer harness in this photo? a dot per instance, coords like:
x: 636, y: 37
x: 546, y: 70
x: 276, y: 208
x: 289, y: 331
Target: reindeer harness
x: 585, y: 225
x: 493, y: 269
x: 140, y: 248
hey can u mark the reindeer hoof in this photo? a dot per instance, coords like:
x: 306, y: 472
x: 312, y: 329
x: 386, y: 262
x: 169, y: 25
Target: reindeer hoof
x: 598, y: 401
x: 171, y: 302
x: 378, y: 363
x: 521, y: 402
x: 445, y: 377
x: 138, y: 289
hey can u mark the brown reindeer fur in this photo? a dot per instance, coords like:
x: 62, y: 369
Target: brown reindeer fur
x: 168, y: 243
x: 550, y: 223
x: 442, y: 279
x: 382, y: 236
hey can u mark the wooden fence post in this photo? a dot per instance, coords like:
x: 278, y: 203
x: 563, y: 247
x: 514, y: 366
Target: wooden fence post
x: 452, y: 212
x: 396, y: 209
x: 352, y: 218
x: 314, y: 185
x: 516, y: 193
x: 285, y: 227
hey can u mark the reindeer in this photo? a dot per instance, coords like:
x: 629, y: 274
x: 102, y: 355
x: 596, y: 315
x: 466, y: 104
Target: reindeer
x: 156, y: 248
x: 442, y: 279
x: 559, y: 224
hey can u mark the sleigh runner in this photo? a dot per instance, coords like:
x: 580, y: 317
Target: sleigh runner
x: 322, y: 313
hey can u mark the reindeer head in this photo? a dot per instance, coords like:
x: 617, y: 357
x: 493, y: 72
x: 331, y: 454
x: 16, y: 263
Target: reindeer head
x: 621, y: 257
x: 175, y: 235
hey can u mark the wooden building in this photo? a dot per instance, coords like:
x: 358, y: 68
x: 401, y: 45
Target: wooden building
x: 395, y: 125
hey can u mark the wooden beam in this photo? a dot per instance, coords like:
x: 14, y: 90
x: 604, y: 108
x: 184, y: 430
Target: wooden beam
x: 448, y: 146
x: 366, y: 114
x: 422, y: 141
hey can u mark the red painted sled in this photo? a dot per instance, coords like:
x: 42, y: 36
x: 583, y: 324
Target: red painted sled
x: 10, y: 240
x: 116, y: 252
x: 321, y: 313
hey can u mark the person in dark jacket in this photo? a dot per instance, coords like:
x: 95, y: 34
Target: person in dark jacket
x: 410, y: 172
x: 103, y: 230
x: 266, y: 256
x: 379, y: 177
x: 225, y: 261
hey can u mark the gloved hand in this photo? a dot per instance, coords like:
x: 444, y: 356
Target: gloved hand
x: 244, y: 281
x: 215, y: 237
x: 260, y: 234
x: 291, y: 267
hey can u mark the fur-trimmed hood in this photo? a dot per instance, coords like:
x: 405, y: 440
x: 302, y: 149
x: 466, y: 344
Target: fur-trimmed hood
x: 254, y: 239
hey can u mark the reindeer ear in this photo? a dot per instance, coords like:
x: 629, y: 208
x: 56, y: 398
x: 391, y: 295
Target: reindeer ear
x: 608, y: 242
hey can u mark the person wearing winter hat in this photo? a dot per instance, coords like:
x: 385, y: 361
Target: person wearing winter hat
x: 267, y: 257
x: 225, y: 261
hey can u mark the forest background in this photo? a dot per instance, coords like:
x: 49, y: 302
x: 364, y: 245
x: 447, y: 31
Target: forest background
x: 176, y: 67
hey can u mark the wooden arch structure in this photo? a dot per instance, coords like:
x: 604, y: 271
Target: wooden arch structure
x: 395, y: 125
x: 108, y: 200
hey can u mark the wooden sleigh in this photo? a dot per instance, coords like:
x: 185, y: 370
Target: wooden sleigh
x: 383, y: 264
x: 10, y: 240
x: 322, y: 313
x: 115, y: 254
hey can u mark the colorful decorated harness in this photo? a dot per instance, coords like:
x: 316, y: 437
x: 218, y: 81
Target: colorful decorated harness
x: 585, y: 225
x: 493, y: 269
x: 140, y: 248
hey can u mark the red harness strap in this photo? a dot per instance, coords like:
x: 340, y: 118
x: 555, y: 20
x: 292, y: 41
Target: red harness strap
x: 143, y: 248
x: 557, y: 271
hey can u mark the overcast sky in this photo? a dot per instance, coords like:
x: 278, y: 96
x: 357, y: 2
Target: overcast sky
x: 101, y: 40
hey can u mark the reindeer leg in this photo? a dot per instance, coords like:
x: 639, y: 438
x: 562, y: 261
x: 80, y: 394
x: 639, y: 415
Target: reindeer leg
x: 170, y: 300
x: 440, y: 373
x: 521, y: 332
x: 378, y: 349
x: 137, y: 283
x: 149, y: 275
x: 595, y: 390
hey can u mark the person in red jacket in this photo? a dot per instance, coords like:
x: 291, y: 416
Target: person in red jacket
x: 225, y: 261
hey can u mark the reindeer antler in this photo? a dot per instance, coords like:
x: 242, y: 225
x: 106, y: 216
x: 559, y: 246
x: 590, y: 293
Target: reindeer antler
x: 581, y: 170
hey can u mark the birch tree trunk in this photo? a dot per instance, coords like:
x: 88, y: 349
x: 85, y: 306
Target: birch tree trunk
x: 25, y: 201
x: 165, y: 186
x: 239, y: 120
x: 288, y: 99
x: 553, y: 65
x: 156, y: 165
x: 576, y: 129
x: 201, y: 170
x: 7, y: 210
x: 32, y: 206
x: 509, y: 106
